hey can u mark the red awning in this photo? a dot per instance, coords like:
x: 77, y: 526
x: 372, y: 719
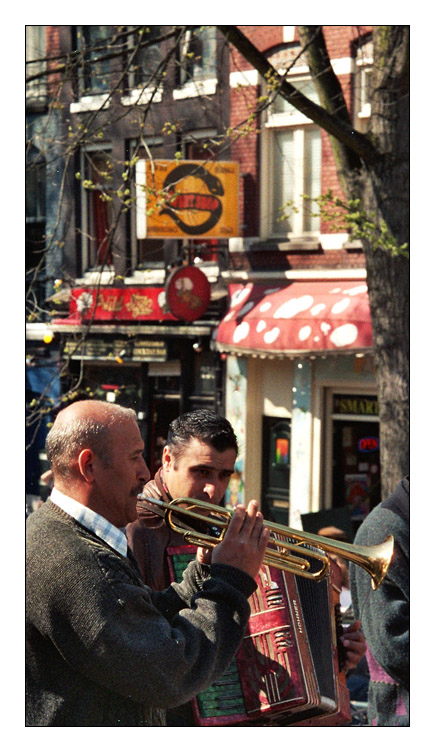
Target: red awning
x: 298, y: 318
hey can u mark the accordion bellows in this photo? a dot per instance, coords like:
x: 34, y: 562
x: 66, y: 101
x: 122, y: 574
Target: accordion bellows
x: 287, y: 670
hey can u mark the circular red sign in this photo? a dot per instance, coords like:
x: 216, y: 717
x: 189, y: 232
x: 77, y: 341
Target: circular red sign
x: 187, y: 293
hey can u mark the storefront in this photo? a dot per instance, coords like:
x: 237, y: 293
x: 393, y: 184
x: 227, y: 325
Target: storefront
x: 301, y: 392
x: 355, y: 452
x: 125, y: 347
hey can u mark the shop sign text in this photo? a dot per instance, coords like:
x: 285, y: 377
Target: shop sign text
x: 348, y: 404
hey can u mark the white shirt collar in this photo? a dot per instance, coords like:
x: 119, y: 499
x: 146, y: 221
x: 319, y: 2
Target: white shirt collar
x: 98, y: 524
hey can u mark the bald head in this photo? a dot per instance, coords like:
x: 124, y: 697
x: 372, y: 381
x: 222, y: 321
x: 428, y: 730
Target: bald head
x: 87, y: 424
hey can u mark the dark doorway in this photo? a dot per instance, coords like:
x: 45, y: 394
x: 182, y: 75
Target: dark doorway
x: 276, y: 469
x: 163, y: 411
x: 356, y: 467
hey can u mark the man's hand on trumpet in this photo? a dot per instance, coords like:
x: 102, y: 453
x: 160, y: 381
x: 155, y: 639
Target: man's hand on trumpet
x: 244, y: 543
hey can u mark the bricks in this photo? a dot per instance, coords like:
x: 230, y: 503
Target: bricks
x: 340, y: 42
x: 53, y: 50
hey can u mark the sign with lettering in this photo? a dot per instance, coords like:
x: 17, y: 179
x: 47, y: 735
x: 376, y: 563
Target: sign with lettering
x: 368, y: 444
x: 187, y: 199
x: 355, y: 404
x: 120, y: 304
x: 119, y: 349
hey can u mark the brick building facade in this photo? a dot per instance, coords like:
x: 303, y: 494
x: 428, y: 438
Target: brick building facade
x: 282, y: 395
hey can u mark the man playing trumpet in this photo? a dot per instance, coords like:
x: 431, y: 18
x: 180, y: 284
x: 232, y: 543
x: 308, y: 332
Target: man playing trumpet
x: 102, y: 648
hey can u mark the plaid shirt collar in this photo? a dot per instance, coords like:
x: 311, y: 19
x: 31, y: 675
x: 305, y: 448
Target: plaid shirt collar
x: 112, y: 535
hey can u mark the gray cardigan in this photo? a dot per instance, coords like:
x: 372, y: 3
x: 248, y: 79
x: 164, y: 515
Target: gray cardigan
x: 102, y: 649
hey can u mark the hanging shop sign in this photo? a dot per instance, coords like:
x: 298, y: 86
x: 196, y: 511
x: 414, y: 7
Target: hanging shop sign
x: 120, y: 304
x: 187, y: 199
x: 119, y: 350
x: 188, y: 293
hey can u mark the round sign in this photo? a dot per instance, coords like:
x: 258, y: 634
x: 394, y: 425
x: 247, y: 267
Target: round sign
x: 187, y: 293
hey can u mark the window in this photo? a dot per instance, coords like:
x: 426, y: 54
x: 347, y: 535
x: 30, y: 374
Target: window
x: 147, y: 58
x: 363, y: 69
x: 35, y: 222
x: 146, y: 252
x: 35, y: 186
x: 35, y: 53
x: 198, y: 54
x: 94, y: 42
x: 356, y: 471
x: 96, y: 208
x: 351, y: 466
x: 145, y: 81
x: 291, y: 168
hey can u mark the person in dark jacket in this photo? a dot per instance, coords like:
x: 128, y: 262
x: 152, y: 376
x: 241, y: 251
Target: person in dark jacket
x: 384, y: 613
x: 197, y: 462
x: 103, y: 649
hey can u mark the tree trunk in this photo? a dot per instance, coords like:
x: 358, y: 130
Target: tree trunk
x: 386, y: 194
x: 383, y: 187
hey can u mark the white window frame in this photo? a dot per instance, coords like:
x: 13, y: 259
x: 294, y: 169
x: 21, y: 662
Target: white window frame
x: 298, y: 124
x: 139, y: 93
x: 363, y: 64
x: 199, y: 84
x: 89, y: 102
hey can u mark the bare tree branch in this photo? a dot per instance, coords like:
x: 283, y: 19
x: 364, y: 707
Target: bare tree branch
x: 334, y: 125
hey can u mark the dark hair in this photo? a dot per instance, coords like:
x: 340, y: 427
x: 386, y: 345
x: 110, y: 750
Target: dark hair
x: 205, y: 426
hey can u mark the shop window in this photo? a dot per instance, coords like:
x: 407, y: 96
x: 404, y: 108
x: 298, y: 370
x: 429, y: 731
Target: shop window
x: 163, y: 411
x: 167, y: 385
x: 276, y: 469
x: 198, y: 54
x: 205, y: 370
x: 165, y: 394
x: 97, y: 211
x: 117, y: 384
x: 291, y: 168
x: 94, y: 41
x: 356, y: 461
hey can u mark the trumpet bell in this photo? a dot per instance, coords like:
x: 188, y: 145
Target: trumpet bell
x: 374, y: 559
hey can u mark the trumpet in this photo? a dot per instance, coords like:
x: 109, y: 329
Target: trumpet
x: 287, y: 547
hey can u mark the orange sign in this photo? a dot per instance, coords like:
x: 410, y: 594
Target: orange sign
x: 188, y: 199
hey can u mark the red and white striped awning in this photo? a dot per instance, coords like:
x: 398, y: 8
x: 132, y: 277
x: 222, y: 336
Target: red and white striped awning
x: 302, y: 317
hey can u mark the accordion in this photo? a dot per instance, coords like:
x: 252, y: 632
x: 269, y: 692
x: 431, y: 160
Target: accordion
x: 289, y: 667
